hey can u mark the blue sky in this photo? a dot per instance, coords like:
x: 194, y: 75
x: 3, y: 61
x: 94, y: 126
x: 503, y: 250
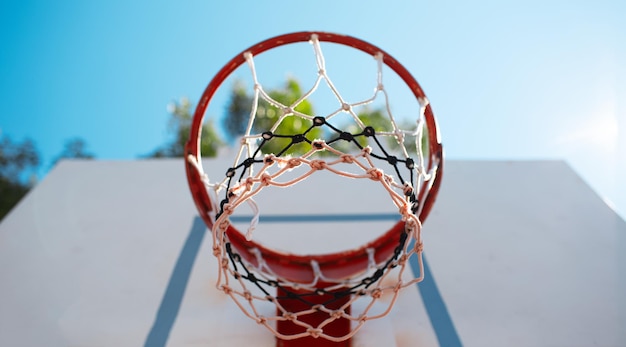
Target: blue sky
x: 507, y: 79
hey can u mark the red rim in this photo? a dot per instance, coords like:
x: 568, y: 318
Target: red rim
x: 294, y: 267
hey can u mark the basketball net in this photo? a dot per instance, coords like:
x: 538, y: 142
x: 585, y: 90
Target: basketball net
x: 315, y: 296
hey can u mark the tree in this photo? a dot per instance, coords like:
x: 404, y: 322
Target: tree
x: 238, y: 111
x: 74, y: 148
x: 377, y: 119
x: 372, y: 117
x: 17, y: 161
x: 180, y: 126
x: 268, y: 114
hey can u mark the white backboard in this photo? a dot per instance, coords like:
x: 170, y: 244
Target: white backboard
x: 113, y: 254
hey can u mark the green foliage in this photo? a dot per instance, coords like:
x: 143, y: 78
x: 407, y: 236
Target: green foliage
x: 180, y: 126
x: 374, y: 118
x: 16, y: 162
x: 15, y: 158
x: 74, y: 148
x: 380, y: 122
x: 210, y: 140
x: 267, y: 115
x: 18, y: 165
x: 10, y: 194
x: 240, y: 105
x: 238, y: 111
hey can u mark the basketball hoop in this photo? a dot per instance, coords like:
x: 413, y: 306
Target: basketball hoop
x: 314, y: 294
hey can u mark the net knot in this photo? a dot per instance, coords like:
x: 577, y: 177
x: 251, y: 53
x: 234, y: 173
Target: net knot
x: 228, y: 209
x: 404, y: 209
x: 375, y: 174
x: 267, y: 135
x: 217, y: 250
x: 293, y: 162
x: 318, y: 164
x: 249, y: 183
x: 336, y: 314
x: 269, y: 159
x: 402, y: 259
x: 399, y: 135
x: 226, y: 289
x: 247, y: 295
x: 315, y: 333
x: 230, y: 172
x: 290, y: 316
x: 318, y: 121
x: 224, y: 263
x: 223, y: 225
x: 318, y: 144
x: 266, y: 179
x: 347, y: 158
x: 419, y: 247
x: 377, y: 293
x: 407, y: 189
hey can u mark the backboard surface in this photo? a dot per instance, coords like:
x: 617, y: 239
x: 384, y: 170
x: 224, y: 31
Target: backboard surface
x: 113, y: 254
